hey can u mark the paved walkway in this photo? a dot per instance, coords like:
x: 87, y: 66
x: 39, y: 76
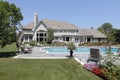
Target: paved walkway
x: 37, y: 54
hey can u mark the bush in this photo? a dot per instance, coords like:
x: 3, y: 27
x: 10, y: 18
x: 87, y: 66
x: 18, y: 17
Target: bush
x: 32, y: 43
x: 93, y: 44
x: 71, y: 46
x: 0, y: 42
x: 110, y: 68
x: 59, y: 44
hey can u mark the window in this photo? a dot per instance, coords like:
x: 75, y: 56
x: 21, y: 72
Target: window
x: 41, y: 36
x: 67, y: 38
x: 26, y: 38
x: 56, y: 38
x: 99, y: 39
x: 88, y: 39
x: 30, y: 37
x: 63, y: 38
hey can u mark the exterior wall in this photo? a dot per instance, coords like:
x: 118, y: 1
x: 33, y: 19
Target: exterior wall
x: 97, y: 40
x: 75, y: 39
x: 40, y: 27
x: 58, y: 38
x: 60, y: 35
x: 65, y: 32
x: 27, y: 37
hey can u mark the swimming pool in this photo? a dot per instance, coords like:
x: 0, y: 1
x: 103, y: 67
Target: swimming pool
x: 78, y: 49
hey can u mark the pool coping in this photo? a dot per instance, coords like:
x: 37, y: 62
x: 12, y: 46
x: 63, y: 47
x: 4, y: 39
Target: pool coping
x: 76, y: 59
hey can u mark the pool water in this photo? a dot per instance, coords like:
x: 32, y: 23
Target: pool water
x: 77, y: 50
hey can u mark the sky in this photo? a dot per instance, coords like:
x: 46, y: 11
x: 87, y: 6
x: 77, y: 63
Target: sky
x: 82, y: 13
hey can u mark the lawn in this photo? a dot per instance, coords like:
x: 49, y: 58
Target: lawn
x: 37, y: 69
x: 9, y: 48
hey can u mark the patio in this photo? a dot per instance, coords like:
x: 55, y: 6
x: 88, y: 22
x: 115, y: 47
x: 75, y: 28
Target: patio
x: 36, y: 53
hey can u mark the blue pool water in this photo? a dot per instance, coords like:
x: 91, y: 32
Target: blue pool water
x: 78, y: 49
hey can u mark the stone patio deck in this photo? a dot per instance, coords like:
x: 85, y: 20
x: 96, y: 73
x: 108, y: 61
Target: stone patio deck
x: 37, y: 54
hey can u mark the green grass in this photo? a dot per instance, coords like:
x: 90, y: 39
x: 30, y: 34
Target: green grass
x: 36, y: 69
x: 9, y: 48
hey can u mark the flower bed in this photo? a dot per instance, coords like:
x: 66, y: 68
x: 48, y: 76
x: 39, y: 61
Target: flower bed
x: 109, y: 69
x: 94, y: 68
x: 90, y: 66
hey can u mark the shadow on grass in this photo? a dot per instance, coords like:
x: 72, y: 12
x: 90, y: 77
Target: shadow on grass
x: 7, y: 54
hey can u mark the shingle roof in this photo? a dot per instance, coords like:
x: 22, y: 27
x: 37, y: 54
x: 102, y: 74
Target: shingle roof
x: 84, y: 32
x: 53, y: 24
x: 91, y: 32
x: 29, y: 26
x: 96, y: 33
x: 66, y: 26
x: 59, y: 24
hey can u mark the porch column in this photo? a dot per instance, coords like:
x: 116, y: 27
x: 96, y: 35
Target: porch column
x: 43, y: 37
x: 85, y: 40
x: 91, y: 39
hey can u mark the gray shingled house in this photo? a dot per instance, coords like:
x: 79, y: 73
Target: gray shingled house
x: 63, y: 32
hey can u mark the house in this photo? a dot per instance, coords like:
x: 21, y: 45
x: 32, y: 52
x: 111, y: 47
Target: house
x: 63, y: 32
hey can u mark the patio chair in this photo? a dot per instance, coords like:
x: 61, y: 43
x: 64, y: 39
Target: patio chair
x: 26, y: 49
x: 94, y: 55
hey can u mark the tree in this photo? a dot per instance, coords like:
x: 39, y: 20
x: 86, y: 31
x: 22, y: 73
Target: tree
x: 12, y: 34
x: 117, y: 35
x: 50, y: 36
x: 71, y: 47
x: 107, y: 29
x: 10, y: 16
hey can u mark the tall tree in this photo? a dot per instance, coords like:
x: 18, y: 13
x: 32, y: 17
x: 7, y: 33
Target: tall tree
x: 50, y: 36
x: 107, y: 29
x: 10, y: 16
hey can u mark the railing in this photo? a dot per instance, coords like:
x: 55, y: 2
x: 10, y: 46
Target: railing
x: 57, y: 34
x: 28, y: 32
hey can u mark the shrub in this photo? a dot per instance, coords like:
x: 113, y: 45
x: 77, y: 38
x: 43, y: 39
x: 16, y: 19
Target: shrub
x: 0, y: 42
x: 59, y: 44
x: 32, y: 43
x: 109, y: 67
x: 71, y: 47
x: 93, y: 44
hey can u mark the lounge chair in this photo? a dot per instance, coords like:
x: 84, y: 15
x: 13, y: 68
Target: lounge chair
x: 94, y: 55
x: 26, y: 49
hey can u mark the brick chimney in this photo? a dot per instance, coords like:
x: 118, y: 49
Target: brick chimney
x: 35, y: 19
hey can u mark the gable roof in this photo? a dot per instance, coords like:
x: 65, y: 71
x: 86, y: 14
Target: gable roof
x: 29, y: 26
x: 59, y: 24
x: 53, y: 24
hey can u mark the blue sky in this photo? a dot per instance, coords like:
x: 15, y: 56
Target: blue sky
x: 82, y: 13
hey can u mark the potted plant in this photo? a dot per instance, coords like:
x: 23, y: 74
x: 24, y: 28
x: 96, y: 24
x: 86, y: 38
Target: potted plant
x: 71, y: 47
